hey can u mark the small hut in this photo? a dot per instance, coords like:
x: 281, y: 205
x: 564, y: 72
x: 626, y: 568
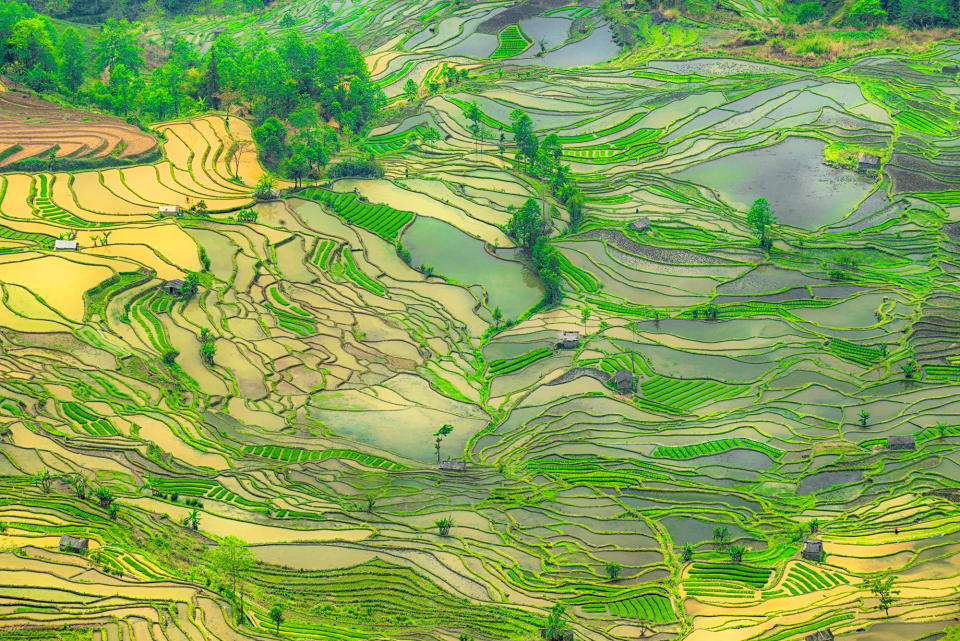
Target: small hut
x: 563, y: 635
x: 175, y: 287
x: 951, y: 69
x: 868, y: 162
x: 640, y: 225
x: 169, y: 210
x: 568, y: 340
x: 902, y: 443
x: 820, y: 635
x: 812, y: 550
x: 74, y: 544
x: 623, y: 379
x: 628, y: 4
x: 66, y: 244
x: 453, y: 466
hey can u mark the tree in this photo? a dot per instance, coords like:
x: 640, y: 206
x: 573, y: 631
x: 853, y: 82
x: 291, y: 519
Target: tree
x: 814, y: 526
x: 523, y: 136
x: 296, y: 167
x: 761, y: 218
x: 264, y: 188
x: 808, y: 12
x: 410, y: 88
x: 866, y: 13
x: 80, y: 486
x: 497, y: 316
x: 232, y: 558
x: 271, y: 138
x: 864, y: 417
x: 444, y: 525
x: 191, y: 284
x: 73, y: 59
x: 207, y: 351
x: 442, y: 432
x: 613, y: 570
x: 193, y: 519
x: 276, y: 615
x: 909, y: 368
x: 104, y: 496
x: 474, y: 114
x: 922, y: 14
x: 883, y: 590
x: 239, y: 148
x: 584, y: 317
x: 117, y: 44
x: 687, y: 552
x: 721, y: 537
x: 526, y: 224
x: 575, y: 208
x: 121, y: 85
x: 553, y: 630
x: 44, y: 479
x: 736, y: 553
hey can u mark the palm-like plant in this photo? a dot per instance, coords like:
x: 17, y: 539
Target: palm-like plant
x: 444, y: 525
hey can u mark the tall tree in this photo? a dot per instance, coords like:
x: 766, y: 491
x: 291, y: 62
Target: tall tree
x: 442, y: 432
x: 276, y: 615
x: 523, y: 136
x: 883, y: 590
x: 526, y: 224
x: 73, y: 59
x: 117, y: 44
x: 232, y: 559
x: 761, y: 218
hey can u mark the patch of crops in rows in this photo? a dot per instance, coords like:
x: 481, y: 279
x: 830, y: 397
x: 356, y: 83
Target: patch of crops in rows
x: 753, y: 308
x: 859, y: 354
x: 299, y: 454
x: 512, y: 42
x: 201, y: 487
x: 601, y: 471
x: 47, y: 209
x: 648, y: 607
x: 355, y: 274
x: 802, y: 579
x: 751, y: 575
x: 10, y: 407
x: 625, y: 360
x: 508, y: 365
x: 800, y: 630
x: 90, y: 421
x: 290, y: 316
x: 390, y: 142
x: 323, y: 253
x: 97, y: 297
x: 927, y: 123
x: 43, y: 240
x: 383, y: 220
x: 626, y: 309
x: 686, y: 394
x: 716, y: 447
x: 579, y: 279
x: 942, y: 372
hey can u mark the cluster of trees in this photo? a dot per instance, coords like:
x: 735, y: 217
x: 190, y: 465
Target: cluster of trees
x: 97, y: 10
x: 915, y: 14
x: 528, y: 226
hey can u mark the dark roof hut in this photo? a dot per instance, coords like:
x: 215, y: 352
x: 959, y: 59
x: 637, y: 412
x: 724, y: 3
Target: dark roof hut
x: 623, y: 379
x: 820, y: 635
x: 868, y: 162
x: 812, y: 550
x: 902, y: 443
x: 73, y: 544
x: 174, y: 287
x: 453, y: 466
x: 568, y: 340
x: 640, y: 224
x: 628, y: 4
x: 658, y: 17
x: 563, y: 635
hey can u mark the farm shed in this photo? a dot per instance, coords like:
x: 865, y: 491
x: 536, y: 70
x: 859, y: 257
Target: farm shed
x: 951, y: 69
x: 640, y: 224
x: 174, y: 287
x: 658, y: 17
x: 66, y: 244
x: 568, y: 340
x: 902, y: 443
x: 812, y: 550
x: 169, y: 210
x: 563, y: 635
x: 628, y: 4
x: 623, y: 379
x: 820, y: 635
x: 868, y: 162
x: 73, y: 544
x: 453, y: 466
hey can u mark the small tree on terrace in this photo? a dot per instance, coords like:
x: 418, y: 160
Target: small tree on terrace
x: 442, y: 432
x: 526, y: 224
x: 761, y: 218
x: 44, y: 479
x: 613, y: 570
x: 687, y: 552
x: 553, y: 631
x: 276, y: 615
x: 721, y: 537
x: 444, y: 525
x: 410, y: 88
x: 883, y: 590
x: 474, y: 114
x: 231, y: 559
x: 736, y: 553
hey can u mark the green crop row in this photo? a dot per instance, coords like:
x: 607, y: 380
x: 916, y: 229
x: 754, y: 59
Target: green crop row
x: 627, y: 309
x: 942, y: 372
x: 859, y: 354
x: 715, y: 447
x: 508, y: 365
x: 383, y: 220
x: 686, y: 394
x: 321, y: 256
x: 753, y: 576
x: 579, y: 279
x: 802, y: 579
x: 648, y: 607
x: 298, y: 454
x: 354, y: 274
x: 91, y: 422
x: 512, y: 42
x: 800, y: 630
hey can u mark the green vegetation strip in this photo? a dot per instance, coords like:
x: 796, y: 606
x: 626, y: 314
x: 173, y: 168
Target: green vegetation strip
x: 383, y: 220
x: 716, y: 447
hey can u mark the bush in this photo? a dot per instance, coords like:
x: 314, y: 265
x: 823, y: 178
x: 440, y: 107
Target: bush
x: 367, y: 168
x: 808, y: 12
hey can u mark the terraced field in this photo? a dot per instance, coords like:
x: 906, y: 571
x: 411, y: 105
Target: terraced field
x: 394, y: 427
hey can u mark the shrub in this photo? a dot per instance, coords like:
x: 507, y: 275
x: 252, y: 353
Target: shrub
x: 366, y: 168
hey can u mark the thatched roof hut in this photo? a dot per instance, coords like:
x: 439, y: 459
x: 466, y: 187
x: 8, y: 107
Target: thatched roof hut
x: 820, y: 635
x: 453, y: 466
x: 568, y: 340
x: 74, y: 544
x: 624, y: 381
x: 812, y: 550
x: 902, y: 443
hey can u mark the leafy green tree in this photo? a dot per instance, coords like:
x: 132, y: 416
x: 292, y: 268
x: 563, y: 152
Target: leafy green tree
x: 736, y: 553
x: 410, y: 88
x: 232, y: 559
x: 613, y: 570
x: 295, y: 167
x: 721, y: 537
x: 808, y: 12
x: 271, y: 139
x: 866, y: 13
x: 864, y: 417
x: 575, y: 209
x: 909, y: 368
x: 191, y: 284
x: 523, y: 136
x: 922, y: 14
x: 207, y: 351
x: 117, y: 44
x: 687, y: 552
x: 584, y: 317
x: 121, y: 86
x: 443, y: 525
x: 194, y: 519
x: 32, y: 41
x: 883, y: 590
x: 440, y: 434
x: 44, y: 480
x: 553, y: 630
x: 814, y: 526
x: 264, y: 188
x: 104, y: 496
x: 526, y: 224
x: 276, y: 615
x: 761, y: 218
x: 474, y: 114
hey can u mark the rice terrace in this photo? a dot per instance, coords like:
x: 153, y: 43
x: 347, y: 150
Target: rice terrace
x: 465, y: 320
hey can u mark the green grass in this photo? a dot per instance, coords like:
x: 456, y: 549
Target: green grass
x: 382, y: 220
x: 715, y: 447
x: 512, y: 42
x: 509, y: 365
x: 753, y: 576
